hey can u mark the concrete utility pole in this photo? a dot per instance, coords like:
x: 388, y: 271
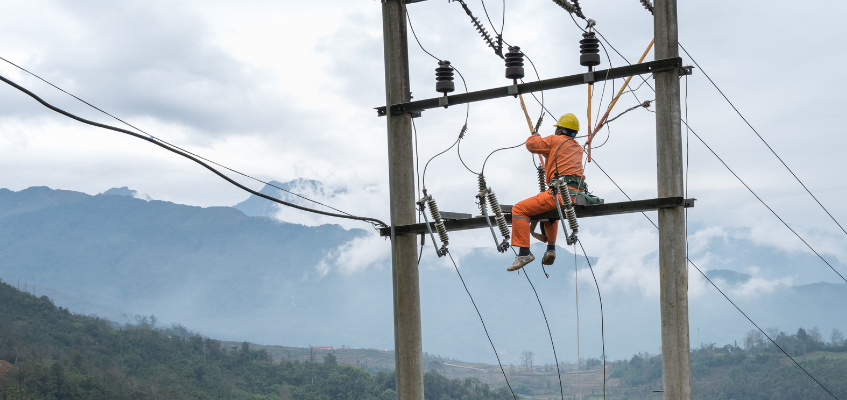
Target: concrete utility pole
x: 408, y: 349
x: 673, y: 267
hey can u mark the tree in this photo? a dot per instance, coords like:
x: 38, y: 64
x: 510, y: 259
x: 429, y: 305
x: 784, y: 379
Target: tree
x: 329, y: 359
x: 527, y: 359
x: 815, y: 335
x: 836, y: 338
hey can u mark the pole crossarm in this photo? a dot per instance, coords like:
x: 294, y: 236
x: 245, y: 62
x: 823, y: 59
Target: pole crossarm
x: 581, y: 212
x: 537, y: 86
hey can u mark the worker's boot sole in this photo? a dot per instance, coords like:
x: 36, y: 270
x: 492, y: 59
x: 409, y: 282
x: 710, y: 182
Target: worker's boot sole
x: 520, y: 262
x: 549, y: 257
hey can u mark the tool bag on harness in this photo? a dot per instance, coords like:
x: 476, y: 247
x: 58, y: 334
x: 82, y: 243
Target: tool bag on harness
x: 578, y: 190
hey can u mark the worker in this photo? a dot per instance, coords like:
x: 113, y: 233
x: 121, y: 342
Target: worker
x: 563, y: 156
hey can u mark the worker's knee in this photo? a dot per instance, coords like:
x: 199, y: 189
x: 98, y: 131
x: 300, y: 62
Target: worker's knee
x: 521, y: 209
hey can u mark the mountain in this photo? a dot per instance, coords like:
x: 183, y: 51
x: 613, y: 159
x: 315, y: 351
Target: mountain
x: 256, y: 206
x: 236, y: 277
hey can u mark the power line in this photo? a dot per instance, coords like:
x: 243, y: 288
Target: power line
x: 556, y: 358
x: 602, y: 318
x: 724, y: 294
x: 765, y: 204
x: 739, y: 178
x: 763, y: 140
x: 456, y: 267
x: 167, y: 143
x: 186, y: 155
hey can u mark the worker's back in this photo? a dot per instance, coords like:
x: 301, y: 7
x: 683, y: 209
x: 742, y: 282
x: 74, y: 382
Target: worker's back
x: 563, y: 155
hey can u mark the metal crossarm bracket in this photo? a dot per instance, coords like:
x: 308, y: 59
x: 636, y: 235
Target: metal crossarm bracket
x: 581, y: 212
x: 530, y: 87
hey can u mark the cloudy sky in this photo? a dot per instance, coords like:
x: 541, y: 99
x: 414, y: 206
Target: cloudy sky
x: 284, y: 90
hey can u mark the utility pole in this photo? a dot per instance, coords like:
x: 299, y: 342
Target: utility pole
x: 673, y: 267
x: 408, y: 348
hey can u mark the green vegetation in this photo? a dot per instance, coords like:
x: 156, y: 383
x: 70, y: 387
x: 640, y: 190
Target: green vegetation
x: 757, y: 371
x: 59, y: 355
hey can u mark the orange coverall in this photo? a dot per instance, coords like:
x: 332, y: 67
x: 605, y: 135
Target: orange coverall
x: 568, y: 161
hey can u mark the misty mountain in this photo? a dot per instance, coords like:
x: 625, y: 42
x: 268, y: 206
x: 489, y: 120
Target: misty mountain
x: 231, y: 276
x: 256, y: 206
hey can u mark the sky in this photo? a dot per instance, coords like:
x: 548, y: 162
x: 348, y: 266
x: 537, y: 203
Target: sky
x: 282, y: 90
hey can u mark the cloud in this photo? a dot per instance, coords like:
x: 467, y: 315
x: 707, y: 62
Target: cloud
x: 356, y: 255
x: 152, y: 59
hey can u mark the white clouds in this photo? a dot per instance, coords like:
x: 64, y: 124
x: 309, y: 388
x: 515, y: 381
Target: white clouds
x: 356, y: 255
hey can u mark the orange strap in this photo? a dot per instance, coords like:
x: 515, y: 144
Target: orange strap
x: 611, y: 105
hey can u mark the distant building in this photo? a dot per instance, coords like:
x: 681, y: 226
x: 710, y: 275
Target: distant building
x: 327, y: 348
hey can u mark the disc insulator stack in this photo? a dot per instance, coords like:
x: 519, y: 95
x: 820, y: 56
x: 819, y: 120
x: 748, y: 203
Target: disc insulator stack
x: 589, y: 48
x: 444, y: 78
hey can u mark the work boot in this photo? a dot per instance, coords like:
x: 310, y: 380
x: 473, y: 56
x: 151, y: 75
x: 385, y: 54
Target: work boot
x: 549, y: 257
x: 520, y: 262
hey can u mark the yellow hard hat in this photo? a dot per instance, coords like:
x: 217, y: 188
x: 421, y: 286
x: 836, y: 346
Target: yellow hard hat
x: 568, y: 121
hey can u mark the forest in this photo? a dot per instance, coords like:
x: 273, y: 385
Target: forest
x: 50, y: 353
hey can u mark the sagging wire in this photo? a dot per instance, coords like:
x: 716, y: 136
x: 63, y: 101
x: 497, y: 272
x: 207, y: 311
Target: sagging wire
x: 167, y: 143
x: 191, y: 157
x: 763, y: 202
x: 549, y: 332
x: 721, y: 291
x: 464, y: 128
x: 602, y: 318
x: 763, y: 140
x: 502, y: 370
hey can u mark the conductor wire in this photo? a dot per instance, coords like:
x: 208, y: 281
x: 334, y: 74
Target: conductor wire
x: 724, y: 294
x: 502, y: 370
x: 167, y: 143
x: 189, y: 156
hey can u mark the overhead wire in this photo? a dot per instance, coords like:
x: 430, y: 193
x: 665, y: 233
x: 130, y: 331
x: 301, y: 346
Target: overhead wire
x: 739, y: 178
x: 602, y: 317
x: 764, y: 141
x: 502, y: 370
x: 722, y: 292
x: 189, y: 156
x: 763, y: 202
x: 167, y: 143
x: 549, y: 332
x: 464, y: 83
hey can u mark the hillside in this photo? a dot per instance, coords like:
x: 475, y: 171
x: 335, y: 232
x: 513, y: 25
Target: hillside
x: 241, y: 278
x: 55, y: 354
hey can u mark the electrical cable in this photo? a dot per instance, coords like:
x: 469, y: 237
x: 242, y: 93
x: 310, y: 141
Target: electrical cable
x: 464, y: 83
x: 456, y: 267
x: 576, y: 292
x: 167, y: 143
x: 602, y: 318
x: 549, y: 332
x: 760, y: 330
x: 763, y: 203
x: 739, y: 178
x: 502, y: 148
x: 186, y: 155
x: 724, y: 294
x: 764, y: 141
